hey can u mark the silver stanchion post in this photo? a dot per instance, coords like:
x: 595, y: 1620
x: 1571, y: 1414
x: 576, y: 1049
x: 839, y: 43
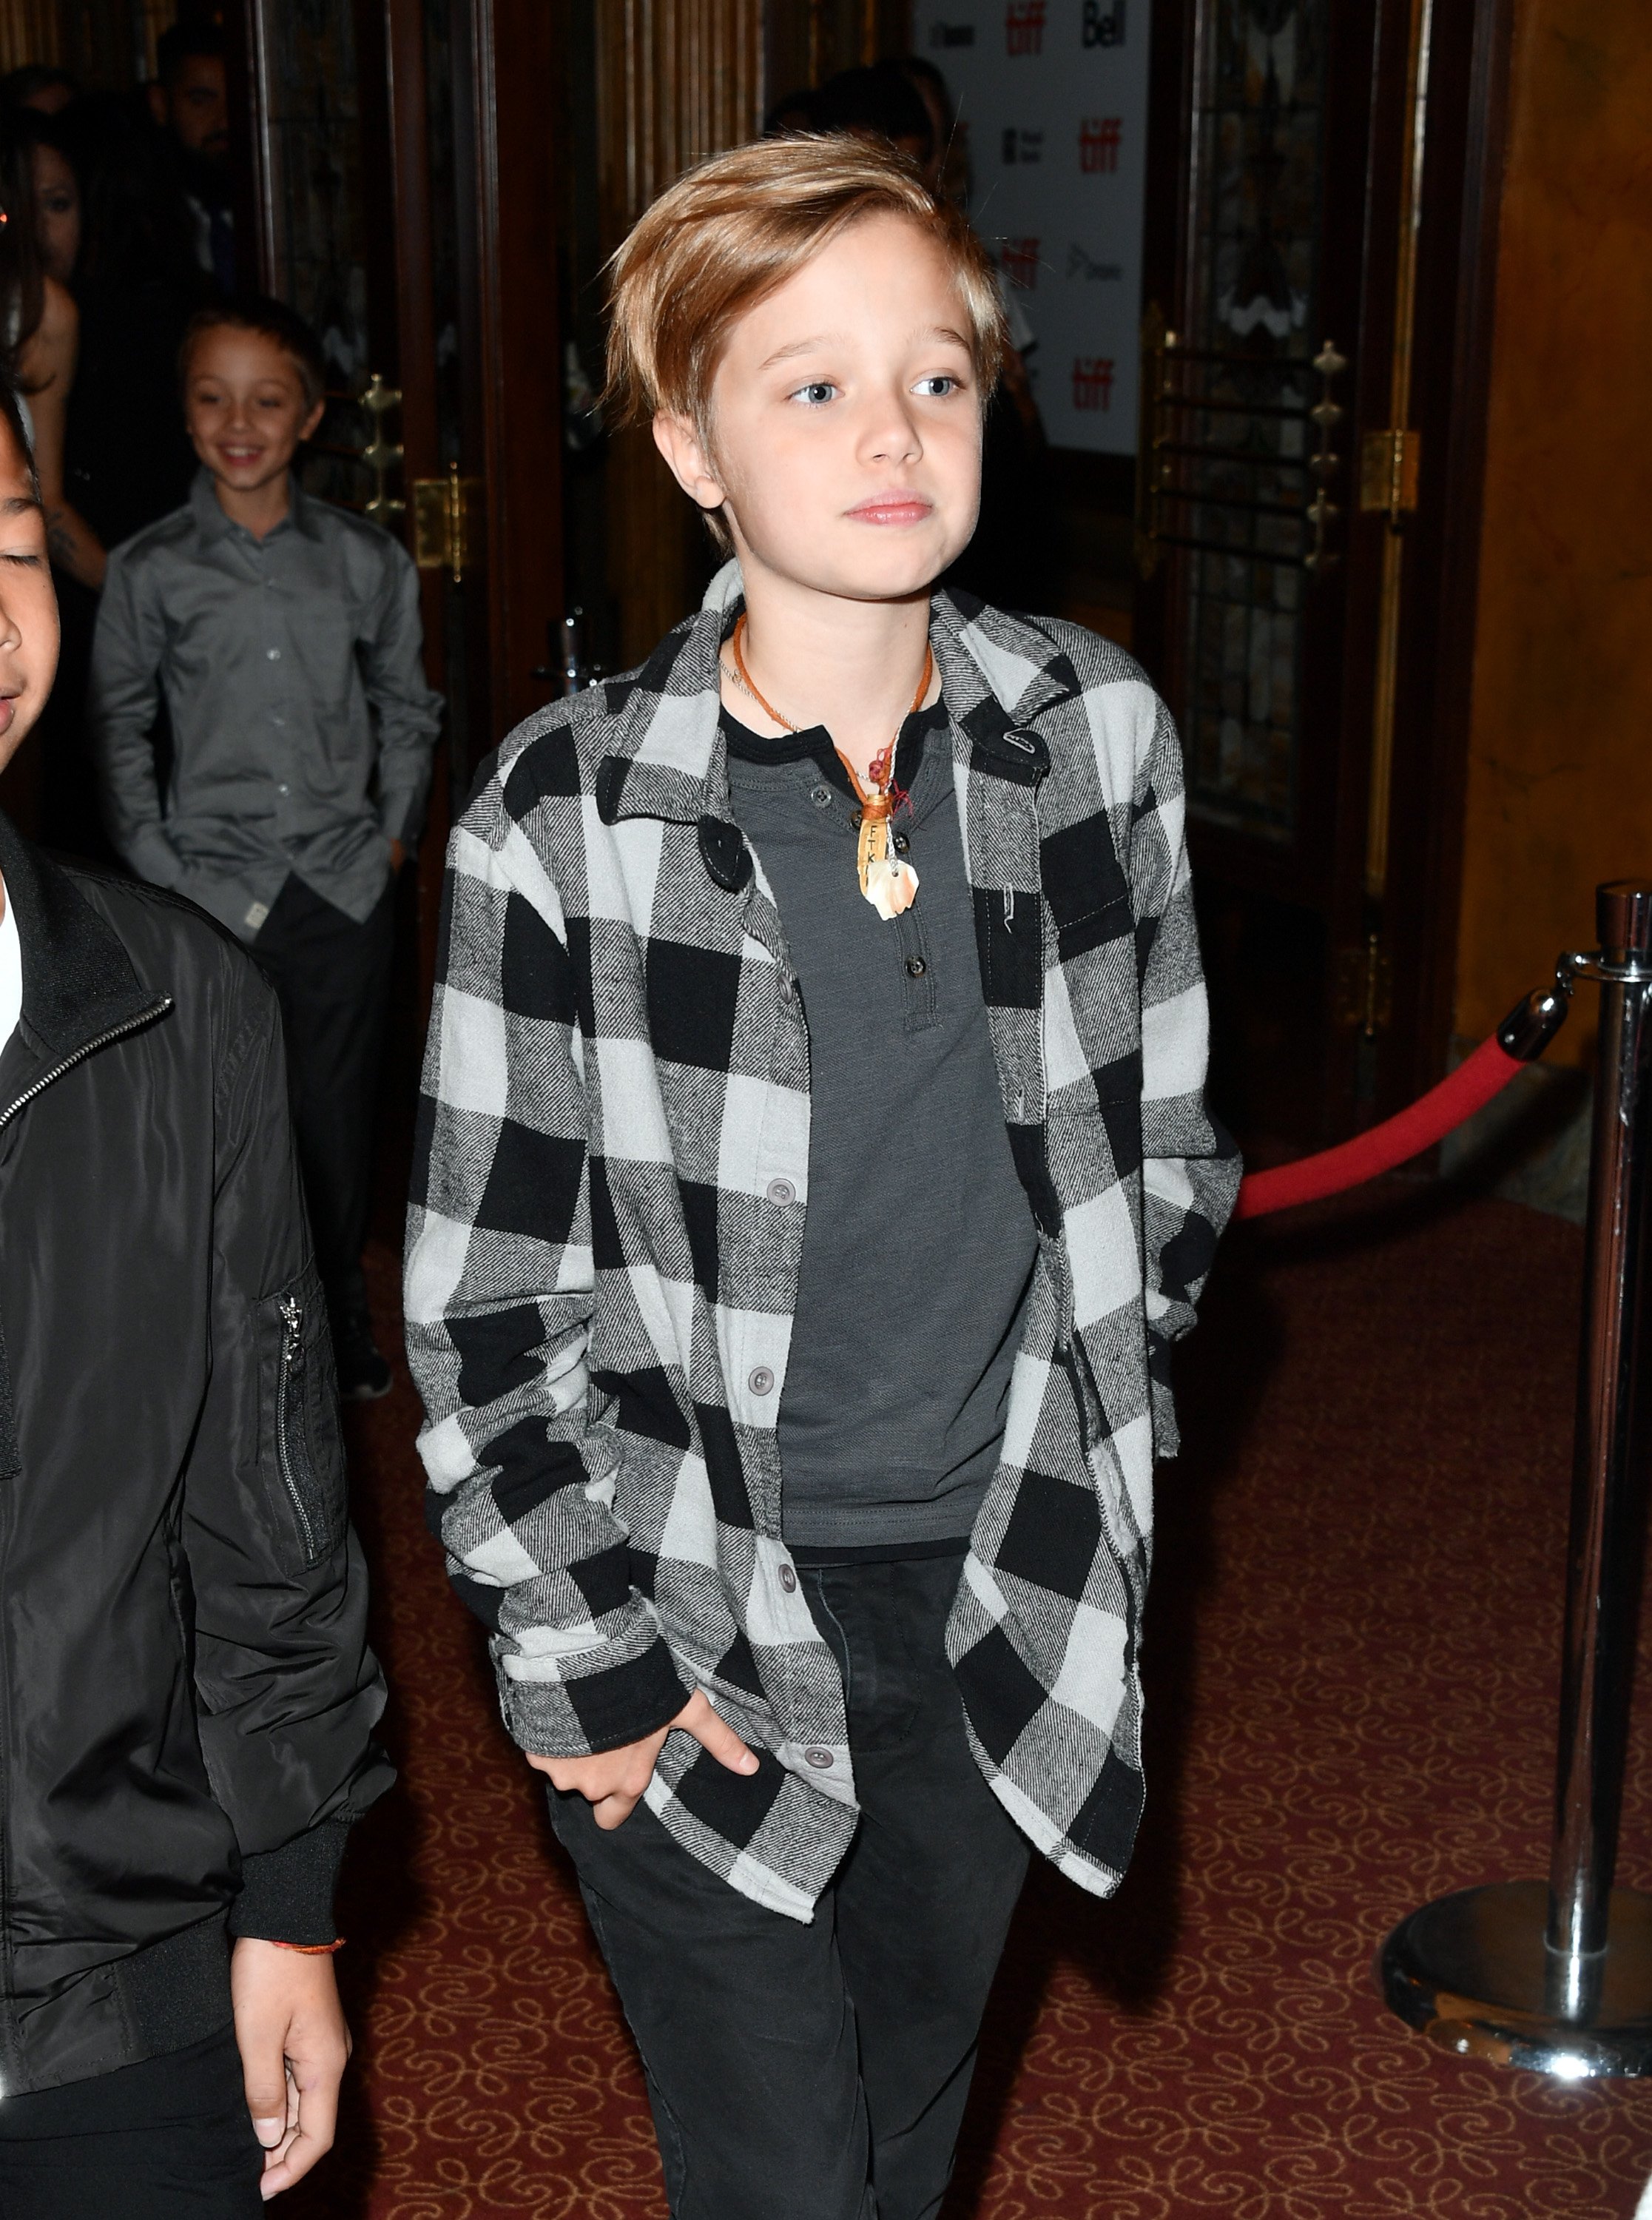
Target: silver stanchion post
x: 1558, y: 1976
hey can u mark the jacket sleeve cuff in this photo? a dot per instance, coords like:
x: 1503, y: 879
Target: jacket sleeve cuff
x: 603, y: 1711
x: 287, y: 1894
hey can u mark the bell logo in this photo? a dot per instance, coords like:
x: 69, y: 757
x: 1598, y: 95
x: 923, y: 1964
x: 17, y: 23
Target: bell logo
x: 1024, y: 27
x: 1098, y: 144
x: 1104, y: 26
x: 1092, y: 382
x: 1019, y: 260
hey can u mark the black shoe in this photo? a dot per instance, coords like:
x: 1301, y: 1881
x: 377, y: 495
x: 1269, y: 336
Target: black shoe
x: 364, y: 1376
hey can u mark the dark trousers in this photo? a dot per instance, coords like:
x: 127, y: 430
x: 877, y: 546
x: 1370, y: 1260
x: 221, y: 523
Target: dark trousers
x: 168, y: 2139
x: 821, y: 2072
x: 333, y: 978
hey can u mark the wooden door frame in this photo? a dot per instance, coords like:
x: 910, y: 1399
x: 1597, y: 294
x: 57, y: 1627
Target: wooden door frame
x: 517, y: 73
x: 1323, y: 864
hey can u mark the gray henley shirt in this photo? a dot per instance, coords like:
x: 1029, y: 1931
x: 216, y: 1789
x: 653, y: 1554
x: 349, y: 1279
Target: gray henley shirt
x: 920, y: 1244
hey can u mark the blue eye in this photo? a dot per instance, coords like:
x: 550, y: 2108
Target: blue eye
x: 939, y: 387
x: 816, y: 393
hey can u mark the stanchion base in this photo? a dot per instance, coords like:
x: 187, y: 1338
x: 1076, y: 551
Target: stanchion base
x: 1474, y: 1973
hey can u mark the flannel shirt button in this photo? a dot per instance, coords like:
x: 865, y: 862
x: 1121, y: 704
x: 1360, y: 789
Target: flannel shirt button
x: 781, y: 1192
x: 819, y: 1759
x: 761, y: 1380
x: 788, y: 1580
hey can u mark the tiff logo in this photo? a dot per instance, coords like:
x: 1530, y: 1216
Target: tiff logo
x: 1023, y: 146
x: 1092, y: 381
x: 1019, y: 260
x: 1098, y: 143
x: 1104, y: 26
x: 1024, y: 27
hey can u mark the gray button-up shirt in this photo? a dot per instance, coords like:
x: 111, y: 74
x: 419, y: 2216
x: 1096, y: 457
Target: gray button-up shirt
x: 303, y: 727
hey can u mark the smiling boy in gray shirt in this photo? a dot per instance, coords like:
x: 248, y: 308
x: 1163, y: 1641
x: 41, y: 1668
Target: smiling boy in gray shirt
x: 284, y: 636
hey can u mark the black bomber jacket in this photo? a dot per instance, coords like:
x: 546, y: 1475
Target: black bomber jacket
x: 187, y: 1699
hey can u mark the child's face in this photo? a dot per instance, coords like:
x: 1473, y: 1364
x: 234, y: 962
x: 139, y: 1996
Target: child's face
x: 28, y: 607
x: 245, y: 404
x: 846, y: 420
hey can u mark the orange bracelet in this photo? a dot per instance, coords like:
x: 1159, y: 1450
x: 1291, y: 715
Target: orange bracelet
x: 313, y: 1949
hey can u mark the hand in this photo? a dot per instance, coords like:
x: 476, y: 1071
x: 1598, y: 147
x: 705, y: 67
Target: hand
x: 612, y: 1781
x: 398, y: 857
x: 294, y: 2044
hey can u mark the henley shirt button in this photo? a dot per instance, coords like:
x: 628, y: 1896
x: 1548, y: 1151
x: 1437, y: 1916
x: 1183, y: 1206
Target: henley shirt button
x: 781, y: 1192
x: 902, y: 844
x: 788, y: 1580
x: 761, y: 1380
x: 274, y: 654
x: 281, y: 789
x: 820, y: 796
x: 916, y: 967
x: 820, y: 1759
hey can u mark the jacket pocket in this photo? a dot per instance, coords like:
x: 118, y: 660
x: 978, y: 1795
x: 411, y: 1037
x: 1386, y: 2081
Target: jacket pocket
x: 304, y: 1450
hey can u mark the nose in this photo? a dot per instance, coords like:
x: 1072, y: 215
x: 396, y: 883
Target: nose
x: 890, y: 432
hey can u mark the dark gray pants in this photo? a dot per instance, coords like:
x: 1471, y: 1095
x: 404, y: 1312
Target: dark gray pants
x: 820, y: 2072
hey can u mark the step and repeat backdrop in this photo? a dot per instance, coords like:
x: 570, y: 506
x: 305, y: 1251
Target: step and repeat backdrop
x: 1052, y: 101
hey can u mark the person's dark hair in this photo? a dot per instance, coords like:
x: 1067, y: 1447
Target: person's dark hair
x: 138, y: 227
x: 11, y: 417
x: 794, y: 112
x: 186, y: 42
x: 22, y: 282
x: 19, y: 86
x: 878, y: 98
x: 272, y: 320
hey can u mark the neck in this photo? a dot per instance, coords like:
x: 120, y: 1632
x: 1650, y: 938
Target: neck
x: 851, y: 666
x: 258, y: 509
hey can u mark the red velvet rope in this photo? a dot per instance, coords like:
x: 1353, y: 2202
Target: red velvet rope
x: 1427, y: 1120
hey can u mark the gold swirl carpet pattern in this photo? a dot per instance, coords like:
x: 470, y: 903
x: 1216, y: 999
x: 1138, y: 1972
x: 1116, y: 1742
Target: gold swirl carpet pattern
x: 1352, y: 1677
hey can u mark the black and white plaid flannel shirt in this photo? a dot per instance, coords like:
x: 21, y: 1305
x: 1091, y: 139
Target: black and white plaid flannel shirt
x: 610, y: 1184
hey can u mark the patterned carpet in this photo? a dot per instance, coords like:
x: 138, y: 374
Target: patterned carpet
x: 1352, y: 1666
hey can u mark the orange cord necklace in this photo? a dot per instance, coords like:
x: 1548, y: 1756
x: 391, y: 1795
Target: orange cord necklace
x: 887, y: 880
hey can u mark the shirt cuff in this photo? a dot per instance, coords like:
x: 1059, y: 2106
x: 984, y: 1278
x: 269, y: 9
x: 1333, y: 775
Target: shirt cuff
x: 287, y: 1894
x: 600, y: 1711
x: 153, y: 857
x: 401, y: 815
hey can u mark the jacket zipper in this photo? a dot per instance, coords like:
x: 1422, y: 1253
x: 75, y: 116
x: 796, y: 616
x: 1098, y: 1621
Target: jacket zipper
x: 87, y: 1047
x: 292, y: 1320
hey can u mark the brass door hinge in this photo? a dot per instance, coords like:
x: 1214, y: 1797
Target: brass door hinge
x: 1364, y: 988
x: 447, y: 523
x: 1389, y: 463
x: 382, y: 455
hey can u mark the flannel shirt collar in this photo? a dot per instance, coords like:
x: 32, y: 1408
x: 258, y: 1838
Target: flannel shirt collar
x: 666, y: 755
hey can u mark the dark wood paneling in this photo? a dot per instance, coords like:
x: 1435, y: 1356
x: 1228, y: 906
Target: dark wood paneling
x: 520, y: 358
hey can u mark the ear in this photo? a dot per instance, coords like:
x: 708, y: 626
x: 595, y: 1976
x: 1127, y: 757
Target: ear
x: 687, y: 460
x: 307, y: 429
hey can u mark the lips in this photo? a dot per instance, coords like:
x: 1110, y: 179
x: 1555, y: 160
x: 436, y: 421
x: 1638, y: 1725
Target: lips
x: 8, y: 711
x: 893, y: 509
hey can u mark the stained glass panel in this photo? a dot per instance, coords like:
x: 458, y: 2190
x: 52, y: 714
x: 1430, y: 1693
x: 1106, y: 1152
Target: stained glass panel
x: 1253, y: 319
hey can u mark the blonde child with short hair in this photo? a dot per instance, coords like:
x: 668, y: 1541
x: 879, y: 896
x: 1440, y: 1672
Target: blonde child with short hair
x: 814, y: 1174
